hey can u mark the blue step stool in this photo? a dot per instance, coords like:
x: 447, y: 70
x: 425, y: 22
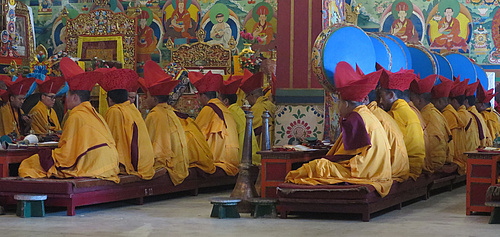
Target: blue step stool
x: 264, y: 207
x: 225, y: 207
x: 30, y: 205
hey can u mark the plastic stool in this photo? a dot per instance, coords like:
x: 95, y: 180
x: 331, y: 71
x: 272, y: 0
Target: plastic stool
x: 264, y: 207
x: 30, y: 205
x: 225, y: 207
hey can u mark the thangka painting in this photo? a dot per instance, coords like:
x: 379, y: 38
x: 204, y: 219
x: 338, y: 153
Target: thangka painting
x: 261, y: 22
x: 149, y: 36
x: 449, y: 27
x: 220, y: 24
x: 333, y: 12
x: 181, y: 20
x: 405, y: 20
x: 494, y: 55
x: 58, y: 35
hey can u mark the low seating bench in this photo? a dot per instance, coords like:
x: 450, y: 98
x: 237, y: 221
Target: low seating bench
x: 71, y: 193
x: 357, y: 198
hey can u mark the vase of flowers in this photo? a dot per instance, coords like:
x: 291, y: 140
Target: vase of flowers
x: 248, y: 58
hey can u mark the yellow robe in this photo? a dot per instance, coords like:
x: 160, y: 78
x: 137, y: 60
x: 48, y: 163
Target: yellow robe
x: 65, y: 118
x: 199, y: 152
x: 487, y: 141
x: 169, y: 142
x: 240, y: 119
x: 134, y: 147
x: 40, y: 119
x: 492, y: 122
x: 221, y: 135
x: 7, y: 119
x: 399, y: 156
x: 471, y: 129
x: 86, y: 149
x: 413, y: 133
x: 457, y: 128
x: 370, y: 165
x: 439, y: 136
x: 422, y: 124
x: 262, y: 104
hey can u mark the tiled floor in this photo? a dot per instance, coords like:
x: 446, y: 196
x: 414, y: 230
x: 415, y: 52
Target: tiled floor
x: 182, y: 215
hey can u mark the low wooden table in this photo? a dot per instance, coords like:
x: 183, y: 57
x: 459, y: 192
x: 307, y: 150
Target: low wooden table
x: 481, y: 174
x: 13, y: 157
x: 277, y: 164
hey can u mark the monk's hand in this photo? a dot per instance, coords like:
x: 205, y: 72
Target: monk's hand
x: 26, y: 119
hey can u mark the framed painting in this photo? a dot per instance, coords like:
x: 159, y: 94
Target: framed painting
x: 109, y: 48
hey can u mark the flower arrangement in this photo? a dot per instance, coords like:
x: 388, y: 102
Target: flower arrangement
x: 251, y: 62
x: 249, y: 39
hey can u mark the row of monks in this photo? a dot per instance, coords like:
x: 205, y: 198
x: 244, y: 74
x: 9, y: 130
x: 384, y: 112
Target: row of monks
x: 397, y: 126
x: 122, y: 142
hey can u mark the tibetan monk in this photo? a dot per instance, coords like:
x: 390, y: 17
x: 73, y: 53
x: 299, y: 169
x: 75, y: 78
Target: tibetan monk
x: 12, y: 117
x: 483, y: 105
x: 399, y: 156
x: 457, y: 100
x: 86, y: 147
x: 165, y: 129
x: 217, y: 124
x: 134, y: 147
x: 484, y: 134
x: 228, y: 96
x: 393, y: 88
x: 43, y: 116
x: 199, y: 153
x: 438, y: 132
x: 252, y: 87
x: 362, y: 152
x: 440, y: 94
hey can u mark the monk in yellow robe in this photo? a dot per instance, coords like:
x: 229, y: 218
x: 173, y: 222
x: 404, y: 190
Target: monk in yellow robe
x: 484, y: 134
x: 483, y: 106
x: 492, y: 120
x: 399, y: 156
x: 200, y: 155
x: 362, y: 151
x: 43, y: 116
x: 438, y: 132
x: 217, y: 124
x: 165, y: 130
x: 228, y: 96
x: 129, y: 130
x: 457, y: 100
x: 393, y: 87
x: 12, y: 117
x: 455, y: 122
x: 86, y: 147
x: 260, y: 103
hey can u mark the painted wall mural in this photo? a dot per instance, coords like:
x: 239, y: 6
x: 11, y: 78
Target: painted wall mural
x: 162, y: 20
x: 470, y: 27
x: 294, y: 123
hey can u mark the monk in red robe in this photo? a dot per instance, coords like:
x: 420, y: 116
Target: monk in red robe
x: 403, y: 27
x: 449, y: 27
x: 181, y: 19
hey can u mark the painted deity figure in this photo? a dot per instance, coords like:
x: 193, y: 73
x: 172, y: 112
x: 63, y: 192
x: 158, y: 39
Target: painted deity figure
x: 147, y: 40
x: 181, y: 19
x: 221, y: 31
x: 449, y: 27
x: 403, y: 27
x: 263, y: 28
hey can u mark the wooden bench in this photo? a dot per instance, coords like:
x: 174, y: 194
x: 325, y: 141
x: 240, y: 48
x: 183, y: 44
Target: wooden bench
x: 355, y: 198
x: 71, y: 193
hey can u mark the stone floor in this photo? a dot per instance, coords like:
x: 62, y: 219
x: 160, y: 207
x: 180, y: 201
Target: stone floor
x: 183, y: 215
